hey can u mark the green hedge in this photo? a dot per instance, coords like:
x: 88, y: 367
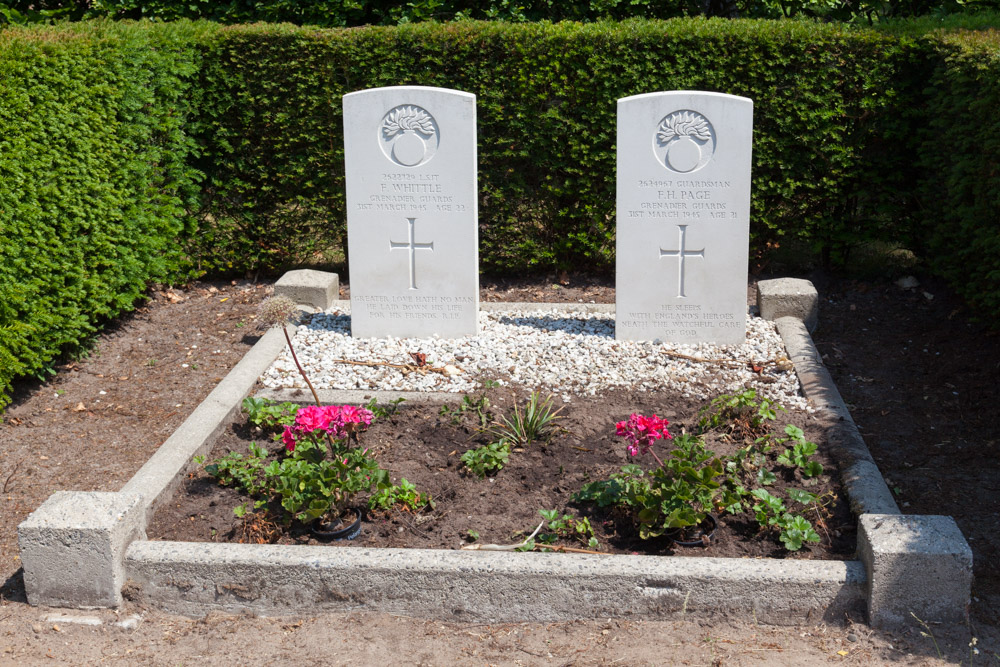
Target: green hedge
x: 93, y: 171
x: 139, y: 152
x: 272, y: 146
x: 958, y: 197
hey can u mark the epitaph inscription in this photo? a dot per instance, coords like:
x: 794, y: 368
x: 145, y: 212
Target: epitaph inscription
x: 412, y: 212
x: 683, y: 217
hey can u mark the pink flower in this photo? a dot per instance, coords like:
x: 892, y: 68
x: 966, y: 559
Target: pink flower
x: 642, y: 432
x: 289, y: 439
x: 353, y: 415
x: 311, y: 418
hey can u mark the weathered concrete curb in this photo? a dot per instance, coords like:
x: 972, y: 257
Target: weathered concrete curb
x: 318, y: 289
x: 862, y: 480
x: 915, y: 564
x: 789, y: 297
x: 358, y: 396
x: 192, y: 579
x: 72, y: 547
x: 919, y: 565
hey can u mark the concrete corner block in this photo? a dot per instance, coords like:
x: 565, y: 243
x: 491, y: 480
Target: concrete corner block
x: 789, y: 297
x: 309, y: 287
x: 916, y: 565
x: 73, y: 547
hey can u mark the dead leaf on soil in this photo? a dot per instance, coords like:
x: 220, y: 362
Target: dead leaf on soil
x: 80, y: 407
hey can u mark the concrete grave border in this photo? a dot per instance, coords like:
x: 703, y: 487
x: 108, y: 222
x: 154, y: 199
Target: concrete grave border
x: 81, y: 549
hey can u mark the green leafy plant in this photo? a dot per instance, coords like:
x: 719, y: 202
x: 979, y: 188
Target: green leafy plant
x: 265, y: 413
x: 678, y: 494
x: 750, y: 462
x: 242, y: 471
x: 692, y: 482
x: 486, y: 459
x: 536, y: 422
x: 799, y: 455
x: 404, y: 495
x: 382, y: 411
x: 566, y: 527
x: 744, y: 414
x: 320, y: 471
x: 478, y: 406
x: 793, y: 530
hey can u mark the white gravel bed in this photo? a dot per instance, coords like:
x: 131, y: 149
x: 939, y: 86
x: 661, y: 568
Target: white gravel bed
x: 559, y: 351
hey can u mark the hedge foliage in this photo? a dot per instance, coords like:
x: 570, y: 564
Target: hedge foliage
x: 271, y: 124
x: 139, y: 152
x: 958, y: 199
x: 353, y: 13
x: 93, y: 174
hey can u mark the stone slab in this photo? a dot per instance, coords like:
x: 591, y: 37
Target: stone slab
x: 789, y: 297
x: 73, y: 545
x: 491, y: 587
x: 412, y: 212
x: 683, y: 217
x: 917, y: 565
x: 318, y: 289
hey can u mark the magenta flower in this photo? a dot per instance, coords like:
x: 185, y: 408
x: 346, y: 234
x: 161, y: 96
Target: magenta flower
x: 311, y: 418
x: 335, y: 421
x: 289, y: 439
x: 353, y: 415
x: 641, y: 432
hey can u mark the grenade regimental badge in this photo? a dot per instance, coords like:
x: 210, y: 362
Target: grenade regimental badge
x: 684, y: 141
x: 409, y: 136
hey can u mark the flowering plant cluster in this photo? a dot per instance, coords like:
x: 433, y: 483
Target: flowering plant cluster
x: 334, y: 421
x: 641, y: 432
x: 320, y: 471
x: 677, y: 495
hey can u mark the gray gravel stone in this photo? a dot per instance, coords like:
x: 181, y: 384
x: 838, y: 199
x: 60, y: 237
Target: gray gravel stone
x: 560, y: 351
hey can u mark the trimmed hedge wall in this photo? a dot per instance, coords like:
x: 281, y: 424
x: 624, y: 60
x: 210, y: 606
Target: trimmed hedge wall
x: 139, y: 152
x: 958, y: 197
x: 272, y: 146
x: 93, y: 171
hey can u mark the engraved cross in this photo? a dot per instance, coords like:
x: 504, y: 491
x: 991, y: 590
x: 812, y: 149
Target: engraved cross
x: 682, y: 253
x: 413, y: 247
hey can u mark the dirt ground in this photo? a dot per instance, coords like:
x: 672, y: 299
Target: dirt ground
x: 423, y: 446
x: 917, y: 368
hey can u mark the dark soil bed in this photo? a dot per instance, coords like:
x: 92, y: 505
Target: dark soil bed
x: 423, y: 446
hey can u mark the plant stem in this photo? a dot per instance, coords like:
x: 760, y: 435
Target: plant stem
x: 299, y: 366
x: 656, y: 457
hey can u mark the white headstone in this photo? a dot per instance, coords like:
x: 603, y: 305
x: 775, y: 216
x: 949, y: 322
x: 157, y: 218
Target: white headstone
x: 683, y: 228
x: 412, y: 212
